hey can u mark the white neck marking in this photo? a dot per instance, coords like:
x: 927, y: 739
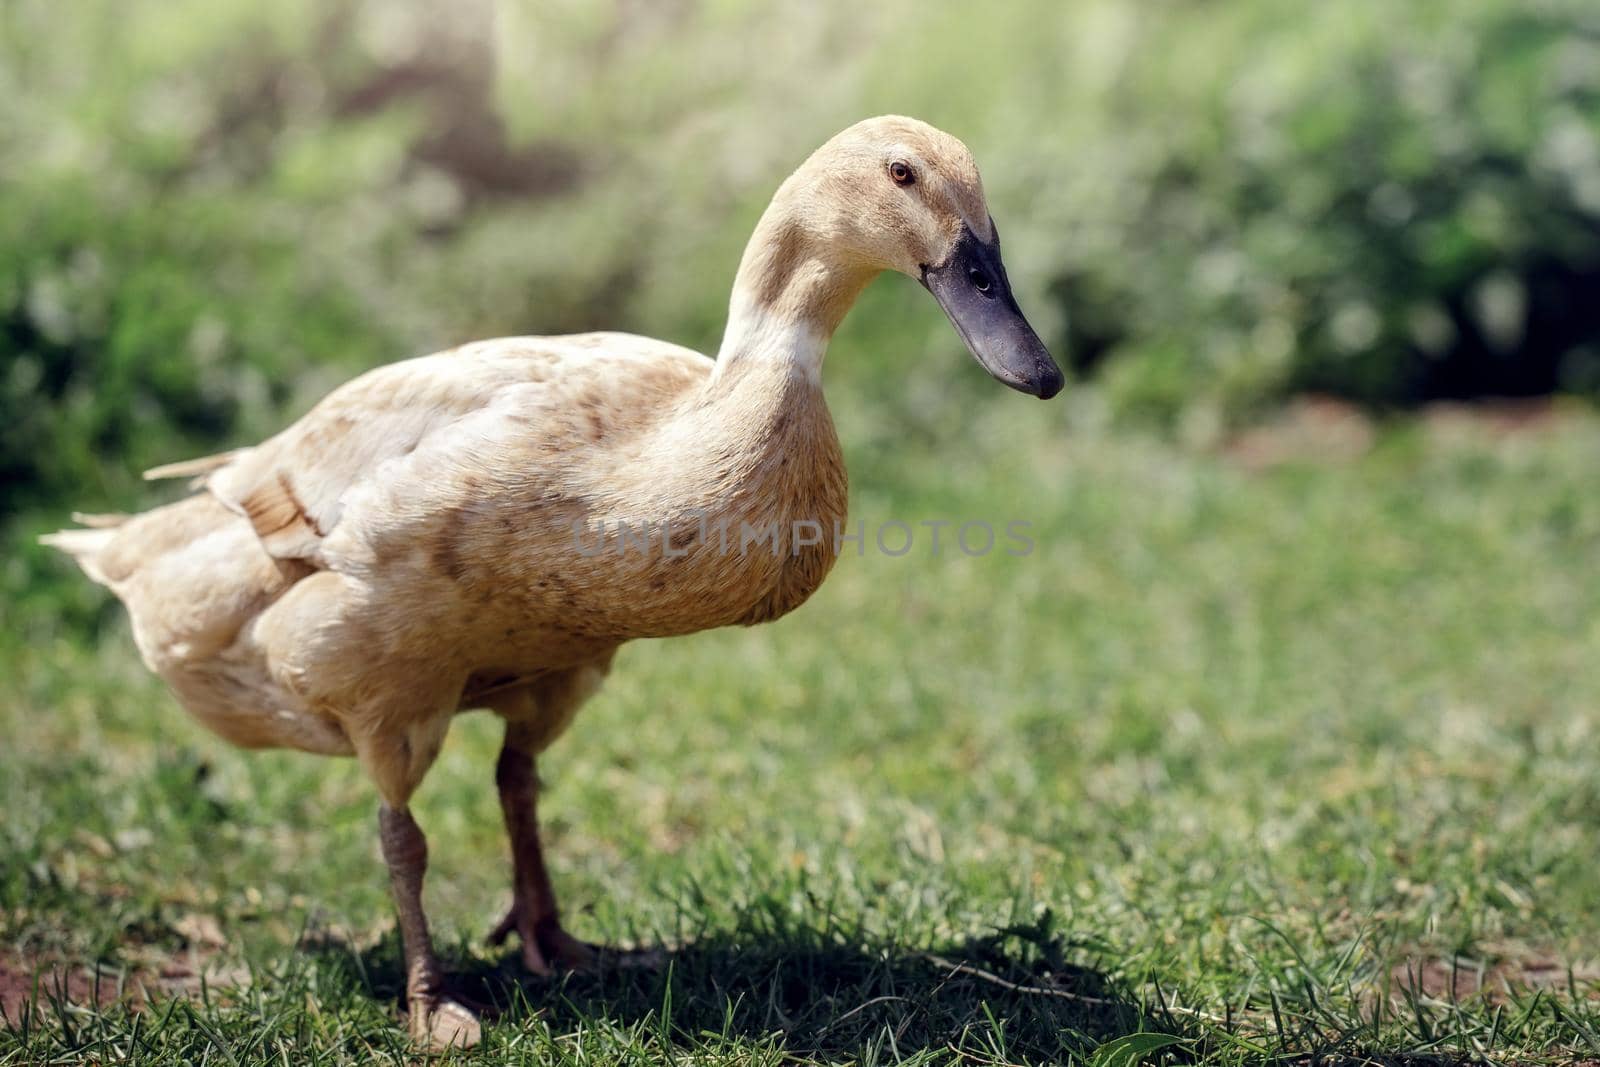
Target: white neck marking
x: 757, y: 336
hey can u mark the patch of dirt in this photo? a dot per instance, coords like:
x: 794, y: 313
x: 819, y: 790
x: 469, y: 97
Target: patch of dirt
x: 45, y: 983
x: 1310, y: 429
x: 1327, y: 430
x: 1500, y: 418
x: 55, y: 982
x: 1461, y: 979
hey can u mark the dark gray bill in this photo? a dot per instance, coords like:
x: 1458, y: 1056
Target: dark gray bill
x: 972, y: 288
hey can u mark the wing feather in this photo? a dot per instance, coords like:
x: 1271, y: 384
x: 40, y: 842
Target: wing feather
x: 191, y: 468
x: 280, y: 520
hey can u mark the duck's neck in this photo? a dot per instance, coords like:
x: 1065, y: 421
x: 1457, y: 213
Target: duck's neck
x: 790, y: 294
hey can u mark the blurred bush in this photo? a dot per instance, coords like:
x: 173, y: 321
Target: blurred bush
x: 1392, y: 202
x: 211, y: 211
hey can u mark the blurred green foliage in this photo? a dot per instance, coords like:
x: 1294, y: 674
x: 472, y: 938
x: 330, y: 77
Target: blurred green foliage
x: 211, y: 211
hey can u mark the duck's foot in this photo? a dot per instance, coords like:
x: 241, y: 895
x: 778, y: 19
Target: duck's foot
x: 546, y: 947
x: 439, y: 1023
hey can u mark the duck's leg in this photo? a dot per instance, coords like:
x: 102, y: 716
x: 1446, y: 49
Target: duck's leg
x: 533, y: 914
x: 436, y: 1020
x: 535, y: 716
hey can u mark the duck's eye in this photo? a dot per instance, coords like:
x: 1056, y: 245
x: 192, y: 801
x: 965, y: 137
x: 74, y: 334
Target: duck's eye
x: 901, y: 173
x: 979, y: 280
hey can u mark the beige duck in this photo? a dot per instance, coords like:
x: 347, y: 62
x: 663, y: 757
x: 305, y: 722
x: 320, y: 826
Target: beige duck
x: 426, y: 539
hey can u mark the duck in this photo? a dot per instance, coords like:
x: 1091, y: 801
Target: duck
x: 432, y: 536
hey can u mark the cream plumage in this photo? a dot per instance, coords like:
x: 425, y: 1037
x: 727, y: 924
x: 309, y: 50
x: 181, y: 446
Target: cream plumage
x: 413, y: 546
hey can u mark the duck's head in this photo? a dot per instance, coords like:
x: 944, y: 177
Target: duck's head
x: 893, y: 193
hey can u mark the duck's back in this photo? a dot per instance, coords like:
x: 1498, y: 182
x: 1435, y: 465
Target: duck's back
x: 440, y: 422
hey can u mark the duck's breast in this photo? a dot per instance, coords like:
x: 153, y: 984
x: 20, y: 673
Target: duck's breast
x: 678, y: 531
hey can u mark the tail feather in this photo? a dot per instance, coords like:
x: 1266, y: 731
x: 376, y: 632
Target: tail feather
x: 84, y: 546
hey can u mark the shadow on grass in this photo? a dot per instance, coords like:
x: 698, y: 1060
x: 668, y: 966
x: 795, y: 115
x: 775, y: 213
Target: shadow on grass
x: 1009, y: 997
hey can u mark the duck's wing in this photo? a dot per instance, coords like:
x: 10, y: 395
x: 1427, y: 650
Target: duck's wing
x: 291, y: 487
x: 388, y: 424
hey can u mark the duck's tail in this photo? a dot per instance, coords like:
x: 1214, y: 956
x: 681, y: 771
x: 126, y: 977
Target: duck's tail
x: 85, y: 545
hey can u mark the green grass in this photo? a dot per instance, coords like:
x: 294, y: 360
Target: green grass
x: 1225, y: 759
